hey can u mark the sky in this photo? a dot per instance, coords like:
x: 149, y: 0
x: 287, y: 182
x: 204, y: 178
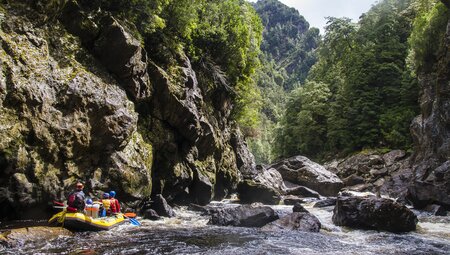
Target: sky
x: 315, y: 11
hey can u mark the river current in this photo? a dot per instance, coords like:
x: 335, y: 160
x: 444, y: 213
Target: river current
x: 189, y: 233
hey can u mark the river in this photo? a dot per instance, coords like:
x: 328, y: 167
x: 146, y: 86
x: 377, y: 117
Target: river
x: 189, y: 233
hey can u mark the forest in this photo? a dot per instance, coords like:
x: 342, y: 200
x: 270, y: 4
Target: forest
x: 353, y: 88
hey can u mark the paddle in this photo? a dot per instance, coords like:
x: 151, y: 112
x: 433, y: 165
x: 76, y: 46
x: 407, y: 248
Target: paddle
x: 132, y: 221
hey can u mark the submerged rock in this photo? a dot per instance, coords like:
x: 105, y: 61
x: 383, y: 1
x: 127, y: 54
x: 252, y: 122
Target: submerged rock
x: 299, y: 208
x: 373, y: 213
x: 23, y: 235
x: 299, y: 221
x: 243, y: 216
x: 325, y: 202
x: 302, y: 171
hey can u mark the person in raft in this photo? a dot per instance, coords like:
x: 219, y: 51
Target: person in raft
x: 106, y: 202
x: 75, y: 200
x: 115, y: 205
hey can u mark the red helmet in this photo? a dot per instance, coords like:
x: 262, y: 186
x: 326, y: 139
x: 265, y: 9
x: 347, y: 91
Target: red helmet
x: 80, y: 185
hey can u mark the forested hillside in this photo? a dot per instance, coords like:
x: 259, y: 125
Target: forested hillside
x: 363, y: 91
x: 288, y: 52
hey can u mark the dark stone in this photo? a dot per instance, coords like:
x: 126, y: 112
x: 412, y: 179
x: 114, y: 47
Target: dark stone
x: 302, y: 191
x: 243, y: 216
x: 437, y: 210
x: 326, y: 202
x: 299, y: 208
x: 150, y: 214
x: 353, y: 180
x: 291, y: 200
x: 299, y: 221
x: 161, y: 207
x: 266, y: 186
x: 373, y: 213
x: 302, y: 171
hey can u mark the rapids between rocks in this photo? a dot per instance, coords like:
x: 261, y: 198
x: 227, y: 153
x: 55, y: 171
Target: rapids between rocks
x: 188, y: 233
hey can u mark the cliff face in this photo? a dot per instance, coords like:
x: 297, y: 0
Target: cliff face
x: 431, y: 133
x: 80, y: 100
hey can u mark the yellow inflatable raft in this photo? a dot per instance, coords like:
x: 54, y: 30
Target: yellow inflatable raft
x: 81, y: 222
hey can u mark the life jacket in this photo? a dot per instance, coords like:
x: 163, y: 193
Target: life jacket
x: 116, y: 204
x: 113, y: 205
x: 106, y: 204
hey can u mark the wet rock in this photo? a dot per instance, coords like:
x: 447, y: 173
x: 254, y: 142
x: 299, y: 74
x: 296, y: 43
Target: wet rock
x: 243, y: 216
x: 23, y: 235
x: 298, y: 221
x: 436, y: 210
x: 159, y: 204
x: 326, y: 202
x: 265, y: 186
x: 373, y: 213
x: 302, y: 191
x: 291, y: 200
x: 299, y: 208
x: 150, y: 214
x: 302, y: 171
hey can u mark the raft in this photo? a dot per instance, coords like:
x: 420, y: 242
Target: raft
x: 81, y: 222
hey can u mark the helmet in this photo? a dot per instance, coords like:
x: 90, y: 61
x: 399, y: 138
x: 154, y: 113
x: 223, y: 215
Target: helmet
x: 112, y: 193
x: 89, y: 201
x: 105, y: 195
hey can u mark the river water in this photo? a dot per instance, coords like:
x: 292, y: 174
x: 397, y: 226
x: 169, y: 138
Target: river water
x: 188, y: 233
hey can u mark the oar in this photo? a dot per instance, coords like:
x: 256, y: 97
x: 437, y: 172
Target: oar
x: 132, y: 221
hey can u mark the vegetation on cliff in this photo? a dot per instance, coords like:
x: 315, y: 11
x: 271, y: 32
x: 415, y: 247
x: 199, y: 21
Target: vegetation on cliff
x: 361, y: 93
x: 288, y: 52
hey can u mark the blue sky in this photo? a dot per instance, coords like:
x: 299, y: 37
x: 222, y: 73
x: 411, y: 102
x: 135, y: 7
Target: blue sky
x: 315, y: 11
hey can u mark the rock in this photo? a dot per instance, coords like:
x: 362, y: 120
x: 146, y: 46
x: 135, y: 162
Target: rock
x: 302, y: 191
x: 299, y: 208
x: 23, y: 235
x: 353, y: 180
x: 266, y: 187
x: 160, y: 206
x: 431, y: 133
x: 373, y: 213
x: 302, y: 171
x: 326, y: 202
x: 393, y: 156
x: 150, y: 214
x: 291, y: 200
x: 243, y: 216
x: 436, y: 210
x: 298, y: 221
x: 121, y: 53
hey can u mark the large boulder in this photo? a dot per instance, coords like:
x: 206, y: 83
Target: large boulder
x: 388, y: 173
x: 299, y: 221
x: 302, y: 171
x: 266, y: 186
x: 373, y: 213
x: 243, y: 216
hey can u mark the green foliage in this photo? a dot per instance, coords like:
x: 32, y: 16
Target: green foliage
x: 304, y: 124
x: 287, y: 40
x: 368, y: 95
x: 427, y: 35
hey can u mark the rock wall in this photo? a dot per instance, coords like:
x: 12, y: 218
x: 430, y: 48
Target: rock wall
x: 431, y: 133
x: 81, y: 101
